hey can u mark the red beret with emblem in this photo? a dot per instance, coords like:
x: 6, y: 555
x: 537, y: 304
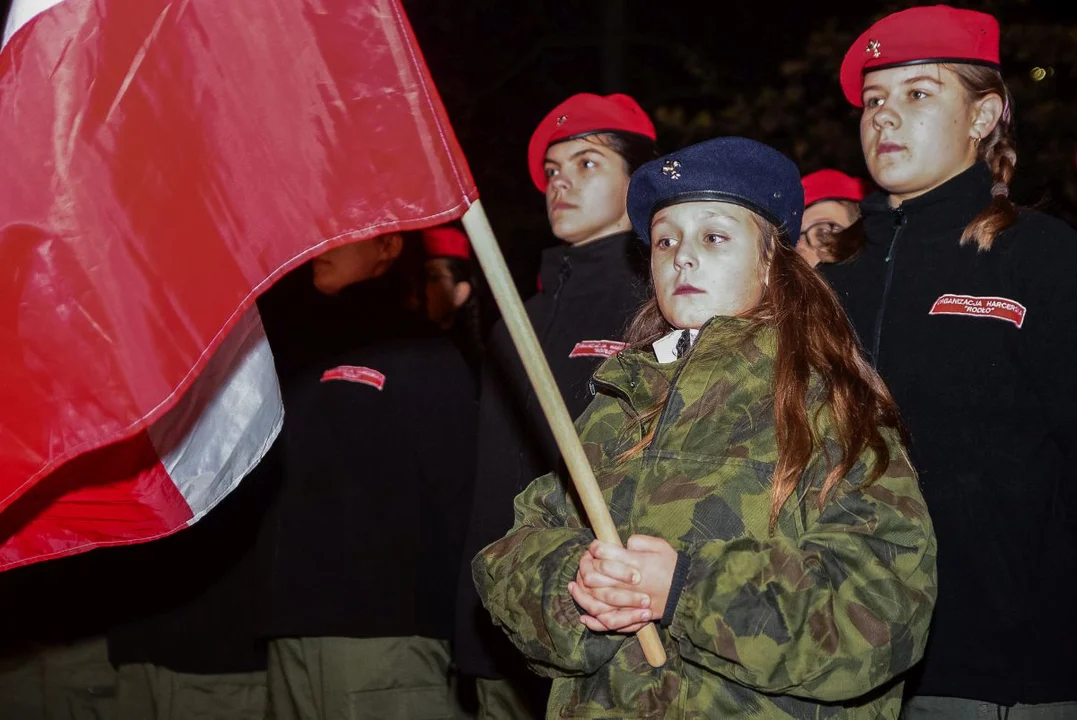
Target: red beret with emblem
x: 919, y: 36
x: 446, y: 241
x: 832, y: 185
x: 580, y: 115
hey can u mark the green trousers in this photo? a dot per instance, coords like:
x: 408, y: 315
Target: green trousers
x: 151, y: 692
x: 502, y: 700
x: 401, y: 678
x: 59, y: 682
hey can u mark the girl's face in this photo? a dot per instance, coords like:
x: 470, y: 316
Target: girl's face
x: 587, y: 191
x: 706, y: 260
x: 918, y: 128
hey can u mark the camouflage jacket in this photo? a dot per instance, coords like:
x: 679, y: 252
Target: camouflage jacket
x: 815, y: 620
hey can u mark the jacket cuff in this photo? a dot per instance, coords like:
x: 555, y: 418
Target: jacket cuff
x: 680, y: 574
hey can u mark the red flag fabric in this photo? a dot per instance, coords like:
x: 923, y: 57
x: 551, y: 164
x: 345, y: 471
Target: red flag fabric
x: 163, y: 163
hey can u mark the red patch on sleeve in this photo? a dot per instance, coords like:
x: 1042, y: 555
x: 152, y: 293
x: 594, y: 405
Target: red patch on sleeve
x: 597, y: 348
x: 988, y: 307
x: 355, y: 374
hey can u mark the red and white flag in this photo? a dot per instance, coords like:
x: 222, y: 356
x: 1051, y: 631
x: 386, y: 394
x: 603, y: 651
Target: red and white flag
x: 162, y: 164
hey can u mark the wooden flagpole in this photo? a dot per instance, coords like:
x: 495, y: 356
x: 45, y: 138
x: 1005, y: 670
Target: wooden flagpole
x: 553, y: 405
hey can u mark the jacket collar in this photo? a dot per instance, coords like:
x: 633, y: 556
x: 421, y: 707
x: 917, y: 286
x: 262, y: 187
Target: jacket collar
x: 665, y: 347
x: 638, y: 375
x: 935, y: 215
x: 371, y: 311
x: 614, y: 259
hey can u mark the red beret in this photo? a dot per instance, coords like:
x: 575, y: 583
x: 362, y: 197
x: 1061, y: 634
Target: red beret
x: 918, y: 36
x: 832, y: 185
x: 584, y: 114
x: 446, y: 241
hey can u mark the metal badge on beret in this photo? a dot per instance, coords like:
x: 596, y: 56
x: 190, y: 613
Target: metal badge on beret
x: 671, y: 169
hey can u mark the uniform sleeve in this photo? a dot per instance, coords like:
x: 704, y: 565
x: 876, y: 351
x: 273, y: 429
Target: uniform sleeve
x: 523, y: 581
x: 445, y: 427
x: 830, y: 615
x: 498, y: 445
x: 502, y: 462
x: 1044, y: 265
x: 506, y: 452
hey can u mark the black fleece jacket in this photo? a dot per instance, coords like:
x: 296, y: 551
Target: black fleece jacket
x: 980, y: 352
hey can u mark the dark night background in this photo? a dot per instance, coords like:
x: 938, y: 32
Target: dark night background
x: 766, y: 69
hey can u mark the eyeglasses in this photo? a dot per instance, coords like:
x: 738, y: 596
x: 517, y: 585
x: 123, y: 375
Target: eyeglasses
x: 819, y: 234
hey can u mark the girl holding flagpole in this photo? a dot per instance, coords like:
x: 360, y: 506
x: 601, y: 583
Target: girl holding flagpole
x: 776, y: 531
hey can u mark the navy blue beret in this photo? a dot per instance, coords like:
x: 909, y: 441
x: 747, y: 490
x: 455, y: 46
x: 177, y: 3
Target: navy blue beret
x: 730, y: 169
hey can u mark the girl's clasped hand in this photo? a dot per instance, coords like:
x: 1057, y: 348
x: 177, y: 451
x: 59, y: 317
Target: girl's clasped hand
x: 621, y: 589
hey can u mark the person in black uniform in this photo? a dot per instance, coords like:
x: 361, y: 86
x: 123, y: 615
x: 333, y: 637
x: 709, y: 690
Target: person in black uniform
x: 965, y: 304
x: 191, y: 645
x: 362, y: 552
x: 581, y: 156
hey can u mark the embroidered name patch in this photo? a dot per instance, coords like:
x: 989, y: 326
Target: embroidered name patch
x: 597, y: 348
x: 355, y: 374
x: 993, y: 307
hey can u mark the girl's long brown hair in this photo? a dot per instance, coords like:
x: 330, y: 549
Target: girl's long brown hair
x: 998, y: 150
x: 813, y: 335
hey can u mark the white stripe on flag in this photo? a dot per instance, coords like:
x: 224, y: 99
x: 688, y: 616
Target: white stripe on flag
x: 225, y: 423
x: 22, y: 12
x: 165, y: 478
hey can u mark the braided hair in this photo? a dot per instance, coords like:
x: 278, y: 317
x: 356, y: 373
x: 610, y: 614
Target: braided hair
x: 997, y: 150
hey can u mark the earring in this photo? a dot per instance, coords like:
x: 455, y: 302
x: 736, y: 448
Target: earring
x: 975, y: 139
